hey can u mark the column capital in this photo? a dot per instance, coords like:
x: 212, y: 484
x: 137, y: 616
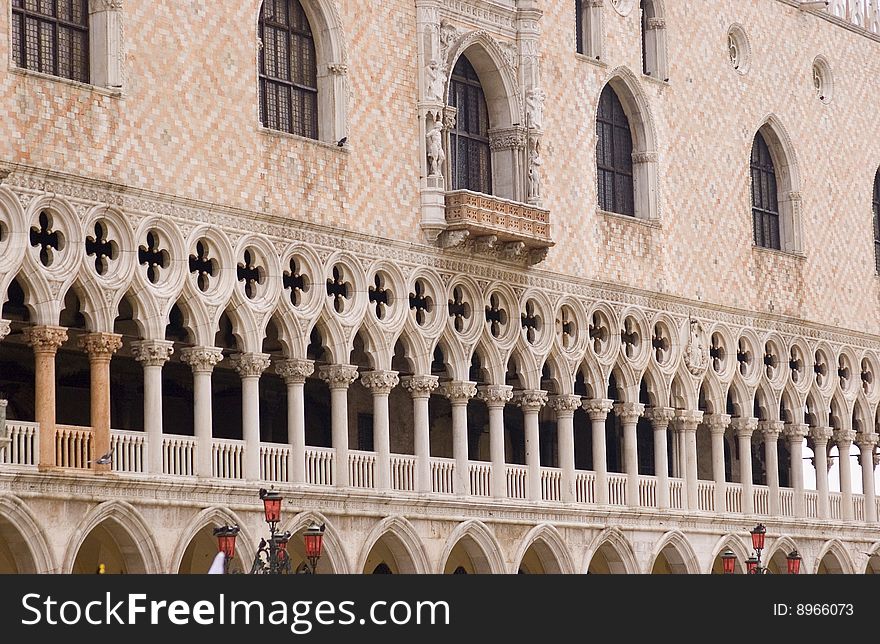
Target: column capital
x: 744, y: 427
x: 531, y: 399
x: 867, y: 440
x: 100, y: 345
x: 201, y: 359
x: 771, y: 429
x: 4, y: 328
x: 598, y: 408
x: 495, y: 395
x: 45, y: 339
x: 687, y: 419
x: 796, y: 432
x: 821, y: 434
x: 459, y: 391
x: 718, y: 423
x: 338, y: 376
x: 250, y: 365
x: 629, y: 412
x: 844, y: 436
x: 294, y: 370
x: 380, y: 382
x: 565, y: 405
x: 420, y: 386
x: 660, y: 417
x: 152, y: 353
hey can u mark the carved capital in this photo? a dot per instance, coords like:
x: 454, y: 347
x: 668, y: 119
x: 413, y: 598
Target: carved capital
x: 598, y: 408
x: 100, y: 346
x: 867, y: 440
x: 687, y: 419
x: 795, y: 432
x: 644, y: 157
x: 294, y: 371
x: 565, y: 405
x: 201, y: 359
x: 97, y: 6
x: 629, y: 412
x: 380, y: 382
x: 531, y: 400
x: 459, y: 391
x: 4, y: 328
x: 656, y: 23
x: 420, y: 386
x: 495, y: 395
x: 718, y: 423
x: 45, y: 339
x: 844, y: 436
x: 510, y: 138
x: 660, y: 417
x: 337, y: 69
x: 250, y: 365
x: 821, y: 435
x: 771, y: 429
x: 152, y: 353
x: 744, y: 427
x: 338, y: 376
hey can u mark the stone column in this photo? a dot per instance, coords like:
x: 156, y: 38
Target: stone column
x: 339, y: 378
x: 100, y: 348
x: 531, y: 401
x: 4, y: 328
x: 660, y: 418
x: 153, y: 354
x: 295, y: 372
x: 496, y: 397
x: 420, y: 388
x: 629, y: 414
x: 744, y: 428
x: 844, y: 439
x: 866, y: 443
x: 598, y: 409
x: 105, y: 43
x: 459, y: 393
x: 250, y: 366
x: 771, y: 429
x: 717, y: 426
x: 687, y: 422
x: 45, y: 341
x: 202, y: 361
x: 821, y: 436
x: 795, y: 435
x: 380, y: 383
x: 565, y: 406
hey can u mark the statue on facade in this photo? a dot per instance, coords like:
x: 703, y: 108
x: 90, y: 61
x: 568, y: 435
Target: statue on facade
x: 535, y: 107
x: 435, y: 81
x: 436, y: 153
x: 535, y: 163
x: 696, y: 354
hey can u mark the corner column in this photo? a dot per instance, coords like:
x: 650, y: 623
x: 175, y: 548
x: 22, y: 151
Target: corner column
x: 565, y: 406
x: 718, y: 424
x: 339, y: 378
x: 598, y: 409
x: 295, y: 372
x: 380, y: 383
x: 202, y: 361
x: 531, y: 401
x: 795, y: 434
x: 660, y: 418
x: 459, y: 393
x: 100, y: 348
x: 844, y: 439
x: 687, y: 422
x: 153, y: 354
x: 821, y: 436
x: 496, y: 397
x: 420, y: 388
x: 867, y: 443
x: 629, y: 414
x: 45, y: 341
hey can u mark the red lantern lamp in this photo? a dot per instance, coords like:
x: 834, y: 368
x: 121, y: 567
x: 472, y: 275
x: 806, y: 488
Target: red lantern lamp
x: 752, y: 565
x: 226, y: 539
x: 271, y: 505
x: 758, y: 533
x: 794, y: 562
x: 728, y: 561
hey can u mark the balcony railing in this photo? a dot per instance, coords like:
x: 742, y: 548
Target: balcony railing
x: 362, y: 469
x: 617, y: 489
x: 129, y: 451
x: 551, y: 484
x: 403, y: 473
x: 480, y: 478
x: 862, y: 13
x: 179, y: 455
x: 73, y: 447
x: 442, y: 475
x: 23, y: 448
x: 274, y: 462
x: 228, y: 458
x: 319, y: 465
x: 517, y: 481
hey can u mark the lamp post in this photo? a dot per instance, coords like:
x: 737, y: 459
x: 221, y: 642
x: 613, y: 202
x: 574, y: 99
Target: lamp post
x: 753, y: 563
x: 272, y: 557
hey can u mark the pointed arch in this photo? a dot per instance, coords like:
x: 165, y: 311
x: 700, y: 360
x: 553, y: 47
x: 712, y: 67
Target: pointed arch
x: 836, y: 549
x: 779, y: 550
x: 550, y: 549
x: 684, y: 560
x: 213, y: 517
x: 766, y: 405
x: 614, y: 539
x: 682, y: 392
x: 791, y: 405
x: 24, y: 537
x: 480, y: 544
x: 655, y: 383
x: 403, y: 541
x: 735, y: 544
x: 741, y: 399
x: 816, y: 409
x: 713, y: 396
x: 333, y: 549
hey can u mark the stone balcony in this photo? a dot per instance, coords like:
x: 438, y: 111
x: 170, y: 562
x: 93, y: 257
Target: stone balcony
x: 491, y: 225
x: 864, y: 14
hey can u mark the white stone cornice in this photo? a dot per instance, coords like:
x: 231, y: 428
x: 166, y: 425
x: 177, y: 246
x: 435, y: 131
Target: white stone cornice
x: 495, y: 395
x: 295, y: 371
x: 420, y: 386
x: 250, y: 365
x: 458, y: 391
x: 744, y: 427
x: 201, y: 359
x: 821, y: 434
x: 565, y: 405
x: 717, y: 423
x: 531, y: 400
x: 380, y: 382
x: 598, y: 408
x: 152, y: 353
x: 660, y: 417
x: 338, y: 376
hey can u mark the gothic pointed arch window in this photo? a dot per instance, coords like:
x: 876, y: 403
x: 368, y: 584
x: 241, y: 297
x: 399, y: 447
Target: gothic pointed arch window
x: 765, y: 200
x: 469, y: 139
x: 288, y: 69
x: 614, y: 150
x: 52, y: 37
x: 653, y: 40
x: 876, y: 207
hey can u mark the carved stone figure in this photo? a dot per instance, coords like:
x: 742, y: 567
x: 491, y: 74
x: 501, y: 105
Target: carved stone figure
x: 435, y: 81
x: 535, y: 163
x: 535, y: 107
x: 436, y: 154
x: 696, y: 354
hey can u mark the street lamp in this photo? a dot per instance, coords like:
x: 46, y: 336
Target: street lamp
x: 753, y: 563
x: 272, y: 557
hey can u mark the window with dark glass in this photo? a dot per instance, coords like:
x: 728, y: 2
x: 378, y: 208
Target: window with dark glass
x: 877, y: 221
x: 288, y: 69
x: 765, y: 204
x: 646, y: 69
x: 469, y: 139
x: 579, y: 25
x: 614, y: 155
x: 52, y: 36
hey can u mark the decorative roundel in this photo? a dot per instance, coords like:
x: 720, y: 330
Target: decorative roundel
x: 847, y: 376
x: 536, y: 325
x: 257, y: 278
x: 464, y: 318
x: 501, y: 319
x: 868, y: 374
x: 108, y: 258
x: 160, y: 256
x: 571, y: 327
x: 345, y: 288
x: 211, y: 265
x: 749, y: 358
x: 13, y: 239
x: 739, y: 50
x: 623, y: 7
x: 301, y: 281
x: 664, y: 343
x: 388, y: 305
x: 774, y: 360
x: 722, y: 354
x: 823, y: 80
x: 426, y: 306
x: 800, y: 365
x: 824, y: 368
x: 635, y: 338
x: 55, y: 243
x: 604, y: 338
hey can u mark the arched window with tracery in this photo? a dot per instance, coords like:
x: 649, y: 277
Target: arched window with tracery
x: 288, y: 69
x: 765, y: 199
x: 614, y: 155
x: 876, y: 206
x: 52, y: 36
x: 469, y: 139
